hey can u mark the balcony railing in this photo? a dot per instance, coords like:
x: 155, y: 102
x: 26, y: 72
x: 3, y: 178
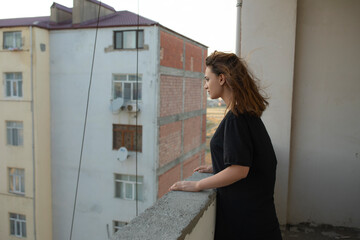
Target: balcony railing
x: 177, y: 215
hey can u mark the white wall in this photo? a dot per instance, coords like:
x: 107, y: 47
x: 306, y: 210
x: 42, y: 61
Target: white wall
x: 71, y: 56
x: 318, y: 173
x: 325, y: 159
x: 268, y: 45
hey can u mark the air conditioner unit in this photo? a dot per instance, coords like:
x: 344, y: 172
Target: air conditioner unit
x: 132, y: 108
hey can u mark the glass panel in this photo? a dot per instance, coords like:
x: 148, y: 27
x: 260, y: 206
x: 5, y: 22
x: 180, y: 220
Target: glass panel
x: 17, y: 230
x: 124, y: 177
x: 17, y: 183
x: 15, y: 137
x: 140, y: 192
x: 8, y: 40
x: 120, y: 77
x: 9, y: 136
x: 23, y: 224
x: 117, y: 189
x: 127, y: 91
x: 133, y: 178
x: 118, y: 40
x: 20, y: 135
x: 137, y: 91
x: 22, y: 217
x: 128, y: 190
x: 129, y: 39
x: 22, y: 189
x: 140, y: 39
x: 18, y: 76
x: 9, y: 76
x: 14, y: 88
x: 8, y: 88
x: 17, y: 36
x: 12, y: 225
x: 117, y: 90
x: 20, y: 88
x: 11, y: 182
x: 132, y: 77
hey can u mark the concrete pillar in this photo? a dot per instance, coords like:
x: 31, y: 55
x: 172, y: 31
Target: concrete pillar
x: 268, y: 45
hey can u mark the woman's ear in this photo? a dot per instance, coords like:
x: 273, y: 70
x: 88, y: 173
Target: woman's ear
x: 222, y: 79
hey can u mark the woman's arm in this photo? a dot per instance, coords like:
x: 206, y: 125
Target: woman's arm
x: 224, y: 178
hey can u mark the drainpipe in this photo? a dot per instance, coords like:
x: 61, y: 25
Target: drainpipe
x: 33, y: 126
x: 238, y: 28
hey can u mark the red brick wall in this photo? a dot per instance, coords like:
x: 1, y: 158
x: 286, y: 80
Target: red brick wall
x: 193, y: 57
x: 171, y: 95
x: 204, y: 97
x: 205, y: 56
x: 169, y: 142
x: 192, y: 94
x: 203, y: 134
x: 190, y: 164
x: 167, y: 179
x: 171, y: 48
x: 192, y: 133
x: 172, y: 55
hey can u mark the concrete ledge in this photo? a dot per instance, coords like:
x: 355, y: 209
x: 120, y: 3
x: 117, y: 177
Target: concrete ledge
x: 174, y: 216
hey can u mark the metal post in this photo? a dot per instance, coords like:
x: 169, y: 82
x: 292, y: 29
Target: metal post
x: 238, y: 28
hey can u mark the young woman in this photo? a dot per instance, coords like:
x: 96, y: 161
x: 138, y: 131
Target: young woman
x: 243, y: 158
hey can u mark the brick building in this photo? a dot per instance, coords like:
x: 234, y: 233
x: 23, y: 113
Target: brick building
x: 146, y: 95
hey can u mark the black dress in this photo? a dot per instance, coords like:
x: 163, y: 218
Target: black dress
x: 245, y: 209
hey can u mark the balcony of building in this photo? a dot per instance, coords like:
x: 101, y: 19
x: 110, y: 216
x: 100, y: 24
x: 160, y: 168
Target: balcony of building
x: 191, y: 216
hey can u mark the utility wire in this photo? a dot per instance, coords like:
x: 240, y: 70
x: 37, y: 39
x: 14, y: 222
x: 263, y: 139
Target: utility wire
x: 85, y: 121
x: 137, y: 109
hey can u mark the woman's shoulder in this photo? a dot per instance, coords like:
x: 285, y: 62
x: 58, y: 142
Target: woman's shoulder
x: 240, y: 116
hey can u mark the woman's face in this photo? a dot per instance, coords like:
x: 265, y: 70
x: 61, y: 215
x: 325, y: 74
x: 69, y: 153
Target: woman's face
x: 212, y: 84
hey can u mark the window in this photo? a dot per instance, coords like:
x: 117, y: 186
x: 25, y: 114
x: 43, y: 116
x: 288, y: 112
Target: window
x: 131, y: 39
x: 14, y: 131
x: 12, y: 40
x: 17, y: 225
x: 125, y: 86
x: 125, y: 187
x: 16, y: 181
x: 129, y: 136
x: 118, y: 225
x: 13, y: 82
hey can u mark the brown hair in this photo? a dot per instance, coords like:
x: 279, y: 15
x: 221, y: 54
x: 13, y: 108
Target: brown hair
x: 246, y: 97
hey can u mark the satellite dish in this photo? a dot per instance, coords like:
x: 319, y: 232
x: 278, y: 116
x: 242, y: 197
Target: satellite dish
x: 122, y: 154
x: 116, y: 104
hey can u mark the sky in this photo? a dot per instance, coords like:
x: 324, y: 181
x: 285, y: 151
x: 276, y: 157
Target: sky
x: 210, y: 22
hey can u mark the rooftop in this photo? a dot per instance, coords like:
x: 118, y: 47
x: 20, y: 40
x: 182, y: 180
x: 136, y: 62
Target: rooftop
x: 117, y: 19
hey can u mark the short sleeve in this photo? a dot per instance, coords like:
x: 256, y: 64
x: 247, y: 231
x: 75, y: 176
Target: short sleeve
x: 237, y: 142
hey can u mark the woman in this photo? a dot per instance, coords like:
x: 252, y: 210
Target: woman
x: 243, y: 159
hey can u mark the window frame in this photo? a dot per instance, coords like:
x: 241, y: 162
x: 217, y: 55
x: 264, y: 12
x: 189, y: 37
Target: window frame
x: 10, y: 133
x: 9, y: 83
x: 137, y: 83
x: 17, y: 223
x: 14, y: 43
x: 116, y: 227
x: 17, y: 177
x: 121, y: 183
x: 137, y: 38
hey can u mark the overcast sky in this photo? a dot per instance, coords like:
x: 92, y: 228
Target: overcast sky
x: 210, y: 22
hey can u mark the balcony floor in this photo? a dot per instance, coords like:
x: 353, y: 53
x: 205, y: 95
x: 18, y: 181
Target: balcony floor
x: 321, y: 232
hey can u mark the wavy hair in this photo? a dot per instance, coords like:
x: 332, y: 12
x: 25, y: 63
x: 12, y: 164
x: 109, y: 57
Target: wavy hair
x: 246, y: 97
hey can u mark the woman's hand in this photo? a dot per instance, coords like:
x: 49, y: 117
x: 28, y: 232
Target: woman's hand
x: 204, y: 169
x: 187, y: 186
